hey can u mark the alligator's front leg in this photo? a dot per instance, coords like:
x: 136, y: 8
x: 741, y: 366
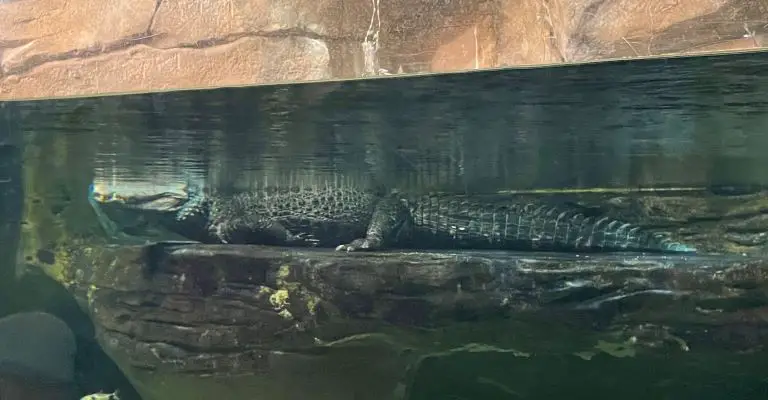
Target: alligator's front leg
x: 390, y: 224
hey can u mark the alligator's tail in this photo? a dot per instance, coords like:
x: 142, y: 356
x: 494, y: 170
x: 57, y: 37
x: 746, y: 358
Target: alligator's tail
x: 613, y: 234
x: 523, y: 225
x: 667, y: 245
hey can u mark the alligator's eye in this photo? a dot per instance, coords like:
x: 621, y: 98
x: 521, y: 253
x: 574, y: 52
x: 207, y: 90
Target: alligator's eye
x: 116, y: 197
x: 104, y: 198
x: 100, y: 197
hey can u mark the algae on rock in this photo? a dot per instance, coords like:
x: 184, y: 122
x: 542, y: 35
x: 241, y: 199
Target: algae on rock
x: 58, y: 167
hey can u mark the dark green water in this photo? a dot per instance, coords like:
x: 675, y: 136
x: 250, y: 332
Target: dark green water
x: 693, y: 125
x: 681, y: 122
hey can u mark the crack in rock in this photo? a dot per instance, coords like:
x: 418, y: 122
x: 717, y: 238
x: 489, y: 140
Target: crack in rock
x: 144, y: 39
x: 158, y: 3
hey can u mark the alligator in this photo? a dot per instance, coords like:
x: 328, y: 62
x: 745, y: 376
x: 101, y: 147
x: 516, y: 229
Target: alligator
x: 351, y: 219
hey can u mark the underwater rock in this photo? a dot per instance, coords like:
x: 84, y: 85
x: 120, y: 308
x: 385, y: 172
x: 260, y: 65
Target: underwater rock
x: 185, y: 321
x: 37, y: 353
x: 37, y: 343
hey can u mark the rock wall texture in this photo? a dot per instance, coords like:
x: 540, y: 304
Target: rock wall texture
x: 84, y: 47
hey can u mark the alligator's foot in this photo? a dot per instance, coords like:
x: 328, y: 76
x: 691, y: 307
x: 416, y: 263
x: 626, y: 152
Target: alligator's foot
x: 302, y: 240
x: 358, y: 244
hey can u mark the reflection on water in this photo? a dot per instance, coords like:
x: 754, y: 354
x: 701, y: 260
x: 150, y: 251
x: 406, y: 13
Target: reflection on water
x: 681, y: 122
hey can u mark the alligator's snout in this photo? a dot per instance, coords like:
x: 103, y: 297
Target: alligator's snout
x: 132, y: 210
x: 139, y: 197
x: 100, y: 194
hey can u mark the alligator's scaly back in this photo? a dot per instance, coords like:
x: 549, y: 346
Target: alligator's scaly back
x: 316, y: 215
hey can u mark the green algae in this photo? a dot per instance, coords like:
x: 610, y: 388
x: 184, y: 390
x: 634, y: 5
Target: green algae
x: 57, y: 172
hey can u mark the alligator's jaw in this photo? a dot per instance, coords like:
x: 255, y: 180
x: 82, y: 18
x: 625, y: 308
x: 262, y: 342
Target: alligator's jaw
x: 131, y: 215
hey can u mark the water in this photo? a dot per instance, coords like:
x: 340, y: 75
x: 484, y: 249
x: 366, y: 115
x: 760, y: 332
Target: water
x: 691, y: 130
x: 685, y: 122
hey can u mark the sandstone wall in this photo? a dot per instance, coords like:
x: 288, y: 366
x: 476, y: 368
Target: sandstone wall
x: 84, y: 47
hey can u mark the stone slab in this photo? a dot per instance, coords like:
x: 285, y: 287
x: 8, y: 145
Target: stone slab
x: 280, y: 323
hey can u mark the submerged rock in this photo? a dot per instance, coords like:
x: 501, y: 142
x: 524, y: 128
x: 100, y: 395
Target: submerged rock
x: 37, y: 353
x: 186, y: 321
